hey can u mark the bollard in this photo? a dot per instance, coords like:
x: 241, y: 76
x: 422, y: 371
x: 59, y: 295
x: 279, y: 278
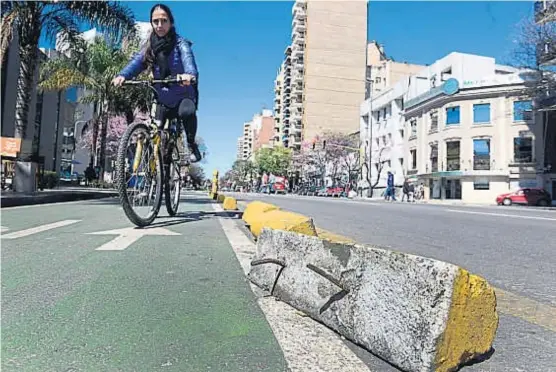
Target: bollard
x: 214, y: 191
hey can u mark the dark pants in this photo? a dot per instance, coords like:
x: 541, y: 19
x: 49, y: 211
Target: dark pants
x: 185, y: 112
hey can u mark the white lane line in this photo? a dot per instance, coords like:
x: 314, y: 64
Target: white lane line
x: 38, y: 229
x: 307, y: 345
x: 504, y: 215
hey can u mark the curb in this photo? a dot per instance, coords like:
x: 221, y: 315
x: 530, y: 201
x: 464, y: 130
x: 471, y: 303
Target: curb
x: 60, y: 197
x: 229, y: 203
x: 415, y: 312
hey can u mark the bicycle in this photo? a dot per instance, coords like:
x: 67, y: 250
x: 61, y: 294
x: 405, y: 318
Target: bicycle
x: 161, y: 143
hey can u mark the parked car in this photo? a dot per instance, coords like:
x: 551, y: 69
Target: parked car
x: 525, y: 196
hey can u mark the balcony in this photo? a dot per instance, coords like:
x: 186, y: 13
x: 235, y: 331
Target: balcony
x: 545, y: 11
x: 546, y: 54
x: 299, y: 27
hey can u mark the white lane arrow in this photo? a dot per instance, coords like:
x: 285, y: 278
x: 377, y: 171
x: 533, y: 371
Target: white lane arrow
x: 128, y: 236
x: 39, y: 229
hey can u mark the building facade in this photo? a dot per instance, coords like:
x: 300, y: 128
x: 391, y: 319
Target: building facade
x: 470, y: 133
x: 381, y: 133
x: 321, y: 81
x: 49, y: 111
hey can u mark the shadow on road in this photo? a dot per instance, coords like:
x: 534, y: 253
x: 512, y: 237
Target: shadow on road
x: 185, y: 217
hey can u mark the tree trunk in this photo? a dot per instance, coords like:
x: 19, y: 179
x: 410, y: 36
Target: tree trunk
x: 28, y: 56
x: 103, y: 134
x: 93, y: 154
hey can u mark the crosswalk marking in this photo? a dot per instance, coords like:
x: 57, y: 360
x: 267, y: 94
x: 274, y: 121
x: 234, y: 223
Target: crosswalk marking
x: 38, y: 229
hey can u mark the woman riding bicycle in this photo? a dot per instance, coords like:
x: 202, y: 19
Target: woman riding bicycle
x: 168, y: 54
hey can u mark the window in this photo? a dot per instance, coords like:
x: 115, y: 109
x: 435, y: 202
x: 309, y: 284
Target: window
x: 401, y: 133
x: 481, y: 183
x: 523, y: 110
x: 413, y: 159
x: 452, y: 115
x: 452, y: 155
x: 434, y: 122
x: 434, y: 157
x: 401, y: 161
x: 523, y: 149
x: 481, y: 154
x: 413, y: 124
x: 481, y: 113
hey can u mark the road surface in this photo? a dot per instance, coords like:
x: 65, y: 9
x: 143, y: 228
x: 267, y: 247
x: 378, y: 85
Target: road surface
x: 513, y: 248
x: 176, y: 301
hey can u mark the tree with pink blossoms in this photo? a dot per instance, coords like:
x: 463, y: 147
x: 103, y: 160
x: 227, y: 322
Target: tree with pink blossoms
x: 116, y: 127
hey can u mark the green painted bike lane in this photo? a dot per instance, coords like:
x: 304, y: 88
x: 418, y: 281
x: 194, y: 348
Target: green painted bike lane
x: 165, y: 303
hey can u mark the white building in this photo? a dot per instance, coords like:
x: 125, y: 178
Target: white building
x: 470, y: 133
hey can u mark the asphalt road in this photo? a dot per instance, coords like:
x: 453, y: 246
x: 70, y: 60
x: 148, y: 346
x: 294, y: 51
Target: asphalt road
x: 77, y: 295
x: 513, y: 248
x: 177, y: 301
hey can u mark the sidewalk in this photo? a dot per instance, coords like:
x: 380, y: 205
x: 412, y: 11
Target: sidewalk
x: 59, y: 195
x: 448, y: 203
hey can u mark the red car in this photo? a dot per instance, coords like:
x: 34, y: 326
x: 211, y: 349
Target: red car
x: 525, y: 196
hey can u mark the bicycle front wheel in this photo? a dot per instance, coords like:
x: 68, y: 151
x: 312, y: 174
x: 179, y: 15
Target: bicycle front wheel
x: 139, y: 175
x: 172, y: 186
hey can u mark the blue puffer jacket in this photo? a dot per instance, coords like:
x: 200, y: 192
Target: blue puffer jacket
x: 181, y: 61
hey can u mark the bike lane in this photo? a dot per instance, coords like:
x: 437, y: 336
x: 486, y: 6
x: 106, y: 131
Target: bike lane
x: 175, y: 302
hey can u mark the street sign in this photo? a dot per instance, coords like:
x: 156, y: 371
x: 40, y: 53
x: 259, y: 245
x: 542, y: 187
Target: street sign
x: 128, y: 236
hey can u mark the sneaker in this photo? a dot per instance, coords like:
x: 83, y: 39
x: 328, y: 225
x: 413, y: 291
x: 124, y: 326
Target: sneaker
x: 195, y: 153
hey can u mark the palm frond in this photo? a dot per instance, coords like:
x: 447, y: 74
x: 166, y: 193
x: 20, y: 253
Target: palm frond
x: 9, y: 19
x: 62, y: 28
x: 111, y: 16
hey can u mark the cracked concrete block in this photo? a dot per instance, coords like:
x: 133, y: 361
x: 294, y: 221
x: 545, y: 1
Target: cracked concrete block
x: 417, y: 313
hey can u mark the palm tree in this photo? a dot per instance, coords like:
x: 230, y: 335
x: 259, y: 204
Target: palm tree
x: 29, y: 19
x: 93, y: 66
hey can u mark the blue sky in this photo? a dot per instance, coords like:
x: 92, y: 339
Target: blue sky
x: 239, y: 47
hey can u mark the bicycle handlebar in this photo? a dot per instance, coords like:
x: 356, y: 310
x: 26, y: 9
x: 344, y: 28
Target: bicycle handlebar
x: 155, y: 81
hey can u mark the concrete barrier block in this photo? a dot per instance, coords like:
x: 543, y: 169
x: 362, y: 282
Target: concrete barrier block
x: 417, y: 313
x: 230, y: 204
x: 282, y: 220
x: 255, y: 210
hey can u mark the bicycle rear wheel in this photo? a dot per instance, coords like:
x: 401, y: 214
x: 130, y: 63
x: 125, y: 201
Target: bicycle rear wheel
x: 172, y: 184
x: 138, y: 166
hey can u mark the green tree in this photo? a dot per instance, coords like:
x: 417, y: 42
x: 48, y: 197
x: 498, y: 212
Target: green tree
x: 275, y: 160
x: 93, y: 66
x: 242, y: 171
x: 31, y: 19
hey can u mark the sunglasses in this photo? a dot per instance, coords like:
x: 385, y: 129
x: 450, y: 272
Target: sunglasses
x: 162, y: 21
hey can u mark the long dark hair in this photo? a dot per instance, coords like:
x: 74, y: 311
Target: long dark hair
x: 149, y: 55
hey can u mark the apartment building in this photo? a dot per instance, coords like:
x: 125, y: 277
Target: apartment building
x: 280, y: 139
x: 322, y: 78
x: 383, y: 72
x: 247, y: 141
x: 470, y: 132
x: 257, y: 133
x: 381, y: 133
x: 545, y: 11
x: 239, y: 150
x: 48, y: 113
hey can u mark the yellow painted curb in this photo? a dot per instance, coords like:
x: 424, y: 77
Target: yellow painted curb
x: 255, y: 210
x: 472, y: 322
x: 220, y: 198
x: 335, y: 238
x: 230, y: 204
x: 281, y: 220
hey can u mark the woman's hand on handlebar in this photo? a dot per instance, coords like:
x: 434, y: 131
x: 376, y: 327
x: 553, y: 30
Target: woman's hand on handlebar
x: 185, y: 79
x: 118, y: 80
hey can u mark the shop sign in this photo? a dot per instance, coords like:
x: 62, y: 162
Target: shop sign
x: 450, y: 87
x: 9, y: 147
